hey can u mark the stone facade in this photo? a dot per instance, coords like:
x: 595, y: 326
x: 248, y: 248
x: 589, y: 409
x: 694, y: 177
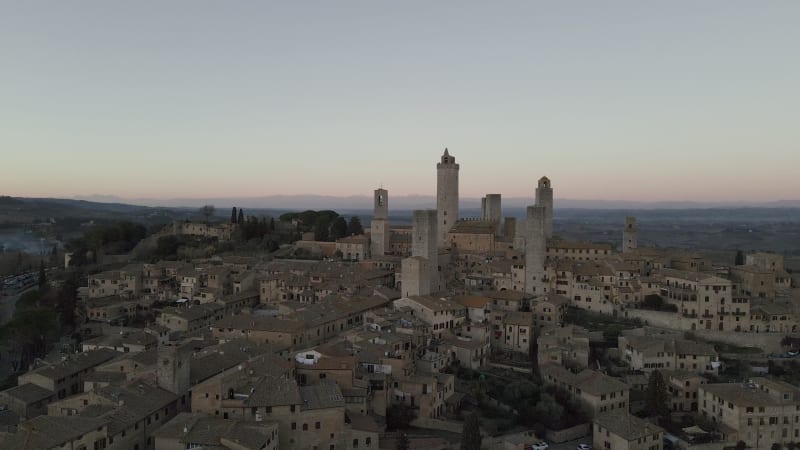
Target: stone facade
x: 630, y: 235
x: 535, y: 247
x: 379, y: 227
x: 544, y: 198
x: 446, y: 196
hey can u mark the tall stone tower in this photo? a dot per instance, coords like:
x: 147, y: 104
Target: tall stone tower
x: 630, y: 235
x: 379, y: 228
x: 544, y: 197
x: 535, y: 249
x: 172, y: 371
x: 415, y: 276
x: 491, y: 210
x: 420, y: 272
x: 423, y: 235
x: 446, y: 196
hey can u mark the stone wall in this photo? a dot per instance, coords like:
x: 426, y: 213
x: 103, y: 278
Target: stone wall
x: 768, y: 342
x: 568, y: 434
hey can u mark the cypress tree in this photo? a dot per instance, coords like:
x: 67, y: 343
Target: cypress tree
x: 657, y: 396
x: 471, y: 435
x: 42, y: 277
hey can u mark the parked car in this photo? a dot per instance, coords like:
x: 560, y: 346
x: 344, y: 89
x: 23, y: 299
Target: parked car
x: 538, y: 446
x: 584, y: 447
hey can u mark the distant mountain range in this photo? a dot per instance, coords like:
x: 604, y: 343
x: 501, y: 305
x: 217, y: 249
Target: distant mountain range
x: 355, y: 202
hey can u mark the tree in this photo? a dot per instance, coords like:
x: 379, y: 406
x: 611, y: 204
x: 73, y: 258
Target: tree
x: 207, y: 211
x: 271, y: 224
x: 67, y: 299
x: 167, y: 246
x: 471, y: 435
x: 399, y: 416
x: 657, y: 396
x: 240, y: 219
x: 54, y: 256
x: 42, y: 277
x: 339, y: 228
x: 322, y: 229
x: 233, y: 215
x: 741, y: 445
x: 403, y: 443
x: 739, y: 258
x: 354, y: 227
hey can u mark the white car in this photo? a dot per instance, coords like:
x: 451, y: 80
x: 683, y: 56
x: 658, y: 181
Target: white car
x: 584, y: 447
x: 540, y: 446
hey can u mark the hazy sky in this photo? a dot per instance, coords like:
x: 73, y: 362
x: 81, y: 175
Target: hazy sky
x: 630, y: 100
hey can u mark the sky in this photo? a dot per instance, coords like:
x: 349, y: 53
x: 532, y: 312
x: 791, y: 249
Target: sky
x: 622, y: 100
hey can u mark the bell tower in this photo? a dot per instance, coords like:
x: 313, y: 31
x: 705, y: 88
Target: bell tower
x: 379, y: 227
x: 446, y: 196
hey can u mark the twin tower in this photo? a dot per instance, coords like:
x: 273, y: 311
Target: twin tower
x: 421, y: 273
x: 437, y: 222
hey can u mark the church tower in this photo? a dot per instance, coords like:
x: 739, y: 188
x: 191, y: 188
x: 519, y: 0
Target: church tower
x: 379, y: 227
x: 446, y: 196
x: 630, y: 235
x: 544, y: 197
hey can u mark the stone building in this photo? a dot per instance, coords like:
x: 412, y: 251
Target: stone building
x: 601, y: 393
x: 473, y: 236
x: 564, y: 346
x: 630, y: 235
x: 188, y: 430
x: 760, y: 412
x: 66, y: 377
x: 623, y: 431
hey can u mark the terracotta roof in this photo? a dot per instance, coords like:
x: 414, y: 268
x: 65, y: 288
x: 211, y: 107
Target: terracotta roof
x: 472, y: 301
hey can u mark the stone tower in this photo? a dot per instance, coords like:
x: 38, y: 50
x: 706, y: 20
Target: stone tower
x: 491, y: 210
x: 172, y: 371
x: 423, y: 240
x: 544, y: 197
x: 510, y: 227
x: 415, y: 276
x: 446, y: 196
x: 535, y: 249
x: 630, y: 235
x: 420, y: 272
x: 379, y: 227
